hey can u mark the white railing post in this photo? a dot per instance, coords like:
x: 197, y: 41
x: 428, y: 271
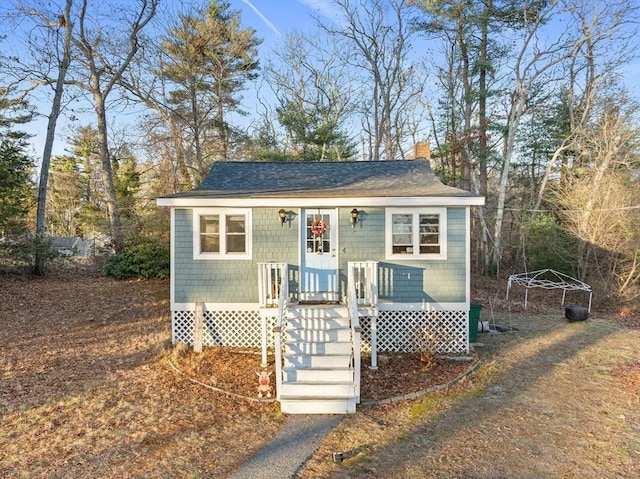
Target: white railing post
x: 373, y: 265
x: 374, y: 318
x: 273, y: 289
x: 365, y: 274
x: 277, y: 340
x: 270, y: 279
x: 374, y: 343
x: 263, y: 362
x: 262, y: 300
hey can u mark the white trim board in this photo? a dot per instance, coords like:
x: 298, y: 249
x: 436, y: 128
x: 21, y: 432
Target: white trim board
x: 462, y: 306
x: 286, y: 202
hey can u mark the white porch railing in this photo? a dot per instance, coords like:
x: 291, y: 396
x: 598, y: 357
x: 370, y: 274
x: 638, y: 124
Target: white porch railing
x: 362, y: 276
x: 271, y: 277
x: 278, y: 329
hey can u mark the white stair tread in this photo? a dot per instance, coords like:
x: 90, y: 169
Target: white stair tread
x: 318, y: 373
x: 319, y: 349
x: 299, y: 322
x: 319, y: 369
x: 323, y: 406
x: 314, y: 390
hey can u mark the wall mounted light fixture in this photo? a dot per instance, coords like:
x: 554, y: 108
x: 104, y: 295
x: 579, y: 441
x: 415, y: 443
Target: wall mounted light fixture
x: 354, y: 217
x: 283, y: 216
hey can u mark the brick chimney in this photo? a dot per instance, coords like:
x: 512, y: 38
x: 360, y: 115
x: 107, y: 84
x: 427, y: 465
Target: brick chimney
x: 422, y: 149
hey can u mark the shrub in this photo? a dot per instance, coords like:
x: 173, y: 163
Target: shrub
x: 20, y: 251
x: 148, y: 259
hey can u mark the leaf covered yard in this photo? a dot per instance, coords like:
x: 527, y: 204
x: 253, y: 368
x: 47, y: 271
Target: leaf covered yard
x: 87, y: 390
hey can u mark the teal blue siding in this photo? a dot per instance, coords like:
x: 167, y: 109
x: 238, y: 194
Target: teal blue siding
x: 408, y: 281
x: 229, y: 281
x: 236, y: 281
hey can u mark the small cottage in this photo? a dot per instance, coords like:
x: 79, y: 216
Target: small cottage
x: 68, y: 246
x: 321, y: 261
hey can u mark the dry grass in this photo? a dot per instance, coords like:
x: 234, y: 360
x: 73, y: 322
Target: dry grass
x: 556, y: 399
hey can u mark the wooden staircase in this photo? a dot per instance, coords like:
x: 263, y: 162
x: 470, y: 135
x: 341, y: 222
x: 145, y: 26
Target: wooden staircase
x: 318, y: 365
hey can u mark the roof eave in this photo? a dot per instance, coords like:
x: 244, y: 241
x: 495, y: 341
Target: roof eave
x: 290, y: 202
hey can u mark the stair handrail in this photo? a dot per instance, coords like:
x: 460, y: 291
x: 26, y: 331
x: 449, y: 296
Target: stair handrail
x: 279, y: 328
x: 356, y: 329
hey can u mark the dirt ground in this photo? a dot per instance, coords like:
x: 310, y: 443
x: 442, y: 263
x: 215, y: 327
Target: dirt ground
x: 89, y: 389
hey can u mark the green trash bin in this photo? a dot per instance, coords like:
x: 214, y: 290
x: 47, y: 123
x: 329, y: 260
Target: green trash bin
x: 474, y: 318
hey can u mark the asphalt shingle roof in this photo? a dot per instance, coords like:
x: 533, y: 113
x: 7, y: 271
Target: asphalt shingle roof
x: 400, y: 178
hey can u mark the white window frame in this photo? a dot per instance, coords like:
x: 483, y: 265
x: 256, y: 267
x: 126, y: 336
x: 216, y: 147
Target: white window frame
x: 223, y: 213
x: 415, y: 231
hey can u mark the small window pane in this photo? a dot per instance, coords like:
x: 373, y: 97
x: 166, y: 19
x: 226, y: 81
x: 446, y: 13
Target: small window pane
x: 235, y: 224
x: 209, y: 224
x: 235, y: 244
x: 402, y: 223
x: 429, y: 239
x: 402, y: 249
x: 209, y: 234
x: 236, y: 234
x: 402, y: 241
x: 429, y: 234
x: 210, y: 244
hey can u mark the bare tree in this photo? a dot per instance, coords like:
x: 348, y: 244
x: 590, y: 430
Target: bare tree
x: 607, y: 145
x: 376, y: 35
x: 63, y: 54
x: 49, y: 55
x: 605, y: 44
x: 314, y: 91
x: 101, y: 64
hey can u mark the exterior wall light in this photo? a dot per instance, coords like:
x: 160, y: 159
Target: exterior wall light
x: 283, y: 216
x: 354, y: 217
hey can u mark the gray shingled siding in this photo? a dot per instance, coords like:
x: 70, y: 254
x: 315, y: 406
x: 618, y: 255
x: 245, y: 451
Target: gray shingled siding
x: 235, y: 281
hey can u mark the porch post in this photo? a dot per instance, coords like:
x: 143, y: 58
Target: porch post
x: 374, y: 342
x: 264, y: 340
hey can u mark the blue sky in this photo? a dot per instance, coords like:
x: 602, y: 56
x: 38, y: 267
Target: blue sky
x: 272, y: 20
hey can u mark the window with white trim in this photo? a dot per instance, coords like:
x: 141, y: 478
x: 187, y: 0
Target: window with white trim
x: 416, y: 233
x: 221, y: 233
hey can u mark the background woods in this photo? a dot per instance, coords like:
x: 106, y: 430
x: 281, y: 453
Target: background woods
x: 530, y: 102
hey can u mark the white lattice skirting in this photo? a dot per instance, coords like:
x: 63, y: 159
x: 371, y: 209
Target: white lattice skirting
x: 411, y: 331
x: 406, y: 331
x: 223, y: 328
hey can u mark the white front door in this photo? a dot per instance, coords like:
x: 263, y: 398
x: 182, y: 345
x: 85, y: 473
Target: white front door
x: 319, y: 264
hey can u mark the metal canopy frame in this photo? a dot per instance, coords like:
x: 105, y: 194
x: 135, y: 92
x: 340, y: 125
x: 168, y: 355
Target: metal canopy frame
x: 548, y: 279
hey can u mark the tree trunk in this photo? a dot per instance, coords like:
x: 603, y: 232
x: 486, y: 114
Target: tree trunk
x: 117, y: 238
x: 41, y: 216
x: 515, y: 113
